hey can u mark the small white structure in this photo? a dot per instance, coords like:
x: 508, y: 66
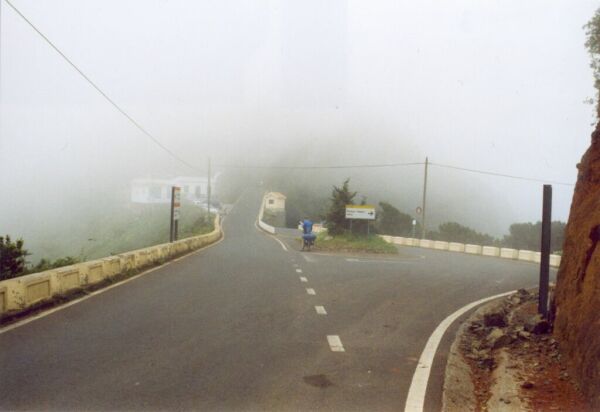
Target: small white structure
x: 150, y: 191
x: 275, y: 201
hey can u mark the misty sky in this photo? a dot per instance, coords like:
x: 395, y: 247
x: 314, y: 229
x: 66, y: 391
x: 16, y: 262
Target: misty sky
x: 492, y: 85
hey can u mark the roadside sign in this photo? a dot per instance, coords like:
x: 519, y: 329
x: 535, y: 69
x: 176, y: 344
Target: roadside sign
x: 176, y: 202
x: 414, y: 222
x: 175, y: 205
x: 365, y: 212
x: 419, y: 210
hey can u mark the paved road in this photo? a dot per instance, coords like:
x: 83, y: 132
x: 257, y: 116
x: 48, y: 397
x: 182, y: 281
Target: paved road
x: 233, y: 328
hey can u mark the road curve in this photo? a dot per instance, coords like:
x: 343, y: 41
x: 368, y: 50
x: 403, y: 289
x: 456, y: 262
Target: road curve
x: 247, y: 325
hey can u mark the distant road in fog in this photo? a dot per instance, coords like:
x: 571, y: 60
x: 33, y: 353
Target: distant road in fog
x: 250, y: 325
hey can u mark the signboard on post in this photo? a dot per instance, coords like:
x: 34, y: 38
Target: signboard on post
x: 364, y: 212
x: 175, y: 206
x: 176, y: 202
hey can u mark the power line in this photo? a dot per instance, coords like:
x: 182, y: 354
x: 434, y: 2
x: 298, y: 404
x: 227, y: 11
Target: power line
x: 384, y: 165
x: 97, y: 88
x: 483, y: 172
x: 182, y: 161
x: 364, y: 166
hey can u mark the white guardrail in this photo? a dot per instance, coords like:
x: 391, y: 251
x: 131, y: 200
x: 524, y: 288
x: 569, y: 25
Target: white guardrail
x: 505, y: 253
x: 17, y: 294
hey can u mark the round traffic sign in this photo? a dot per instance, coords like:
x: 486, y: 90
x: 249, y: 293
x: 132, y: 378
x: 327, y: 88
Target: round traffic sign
x: 419, y: 210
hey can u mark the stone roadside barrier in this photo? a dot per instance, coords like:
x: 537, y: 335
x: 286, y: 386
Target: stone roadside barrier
x: 22, y: 292
x: 492, y: 251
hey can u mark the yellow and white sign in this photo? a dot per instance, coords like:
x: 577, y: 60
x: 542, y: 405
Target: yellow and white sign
x: 365, y: 212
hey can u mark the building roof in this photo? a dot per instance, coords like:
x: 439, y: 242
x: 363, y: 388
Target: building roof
x: 276, y: 194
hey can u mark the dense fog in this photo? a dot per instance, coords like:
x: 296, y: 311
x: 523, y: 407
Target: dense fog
x: 496, y: 86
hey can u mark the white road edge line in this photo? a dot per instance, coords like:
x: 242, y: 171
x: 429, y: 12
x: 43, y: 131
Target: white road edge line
x: 303, y: 279
x: 272, y: 236
x: 311, y: 291
x: 418, y: 386
x: 321, y: 310
x: 335, y: 343
x: 281, y: 243
x: 106, y: 289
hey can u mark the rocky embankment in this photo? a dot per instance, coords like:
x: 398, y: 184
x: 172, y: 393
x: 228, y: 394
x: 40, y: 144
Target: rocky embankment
x: 577, y: 304
x: 505, y: 359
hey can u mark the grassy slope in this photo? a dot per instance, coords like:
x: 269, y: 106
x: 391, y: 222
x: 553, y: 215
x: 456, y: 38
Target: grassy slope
x: 142, y: 227
x: 116, y: 230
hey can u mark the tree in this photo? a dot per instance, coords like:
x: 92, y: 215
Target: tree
x: 393, y: 222
x: 12, y: 258
x: 336, y: 216
x: 528, y: 236
x: 455, y: 232
x: 303, y: 202
x: 592, y: 31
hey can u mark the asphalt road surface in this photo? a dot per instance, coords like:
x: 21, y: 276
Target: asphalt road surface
x: 236, y: 327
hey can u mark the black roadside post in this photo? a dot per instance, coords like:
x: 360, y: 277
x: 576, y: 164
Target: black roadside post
x: 545, y: 247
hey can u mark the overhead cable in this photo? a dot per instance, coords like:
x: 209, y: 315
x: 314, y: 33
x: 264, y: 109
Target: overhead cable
x: 99, y: 90
x: 483, y: 172
x: 364, y: 166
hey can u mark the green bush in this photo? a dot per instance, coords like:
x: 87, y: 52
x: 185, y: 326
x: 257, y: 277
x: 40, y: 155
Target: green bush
x: 47, y: 264
x: 12, y: 258
x: 336, y: 216
x: 392, y: 221
x: 455, y: 232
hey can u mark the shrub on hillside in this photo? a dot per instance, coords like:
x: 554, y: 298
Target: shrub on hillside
x: 12, y: 258
x: 336, y: 216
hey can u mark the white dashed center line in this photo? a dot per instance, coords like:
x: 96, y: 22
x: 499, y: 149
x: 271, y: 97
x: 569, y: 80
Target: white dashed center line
x: 303, y: 279
x: 311, y: 291
x: 321, y: 310
x: 335, y: 344
x: 299, y: 270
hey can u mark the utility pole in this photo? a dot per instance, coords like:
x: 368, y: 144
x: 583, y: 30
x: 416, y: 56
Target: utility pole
x: 208, y: 190
x: 424, y: 198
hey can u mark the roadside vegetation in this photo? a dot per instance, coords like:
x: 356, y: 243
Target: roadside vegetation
x: 348, y: 242
x: 133, y: 228
x: 339, y: 236
x: 304, y: 203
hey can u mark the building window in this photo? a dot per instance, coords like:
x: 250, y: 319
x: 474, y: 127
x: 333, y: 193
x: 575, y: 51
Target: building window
x: 271, y: 201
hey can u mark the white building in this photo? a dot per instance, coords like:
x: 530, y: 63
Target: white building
x: 275, y: 201
x: 159, y: 190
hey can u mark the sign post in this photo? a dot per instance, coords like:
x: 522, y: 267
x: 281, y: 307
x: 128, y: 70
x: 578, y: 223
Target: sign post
x: 414, y: 227
x: 361, y: 212
x: 175, y: 206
